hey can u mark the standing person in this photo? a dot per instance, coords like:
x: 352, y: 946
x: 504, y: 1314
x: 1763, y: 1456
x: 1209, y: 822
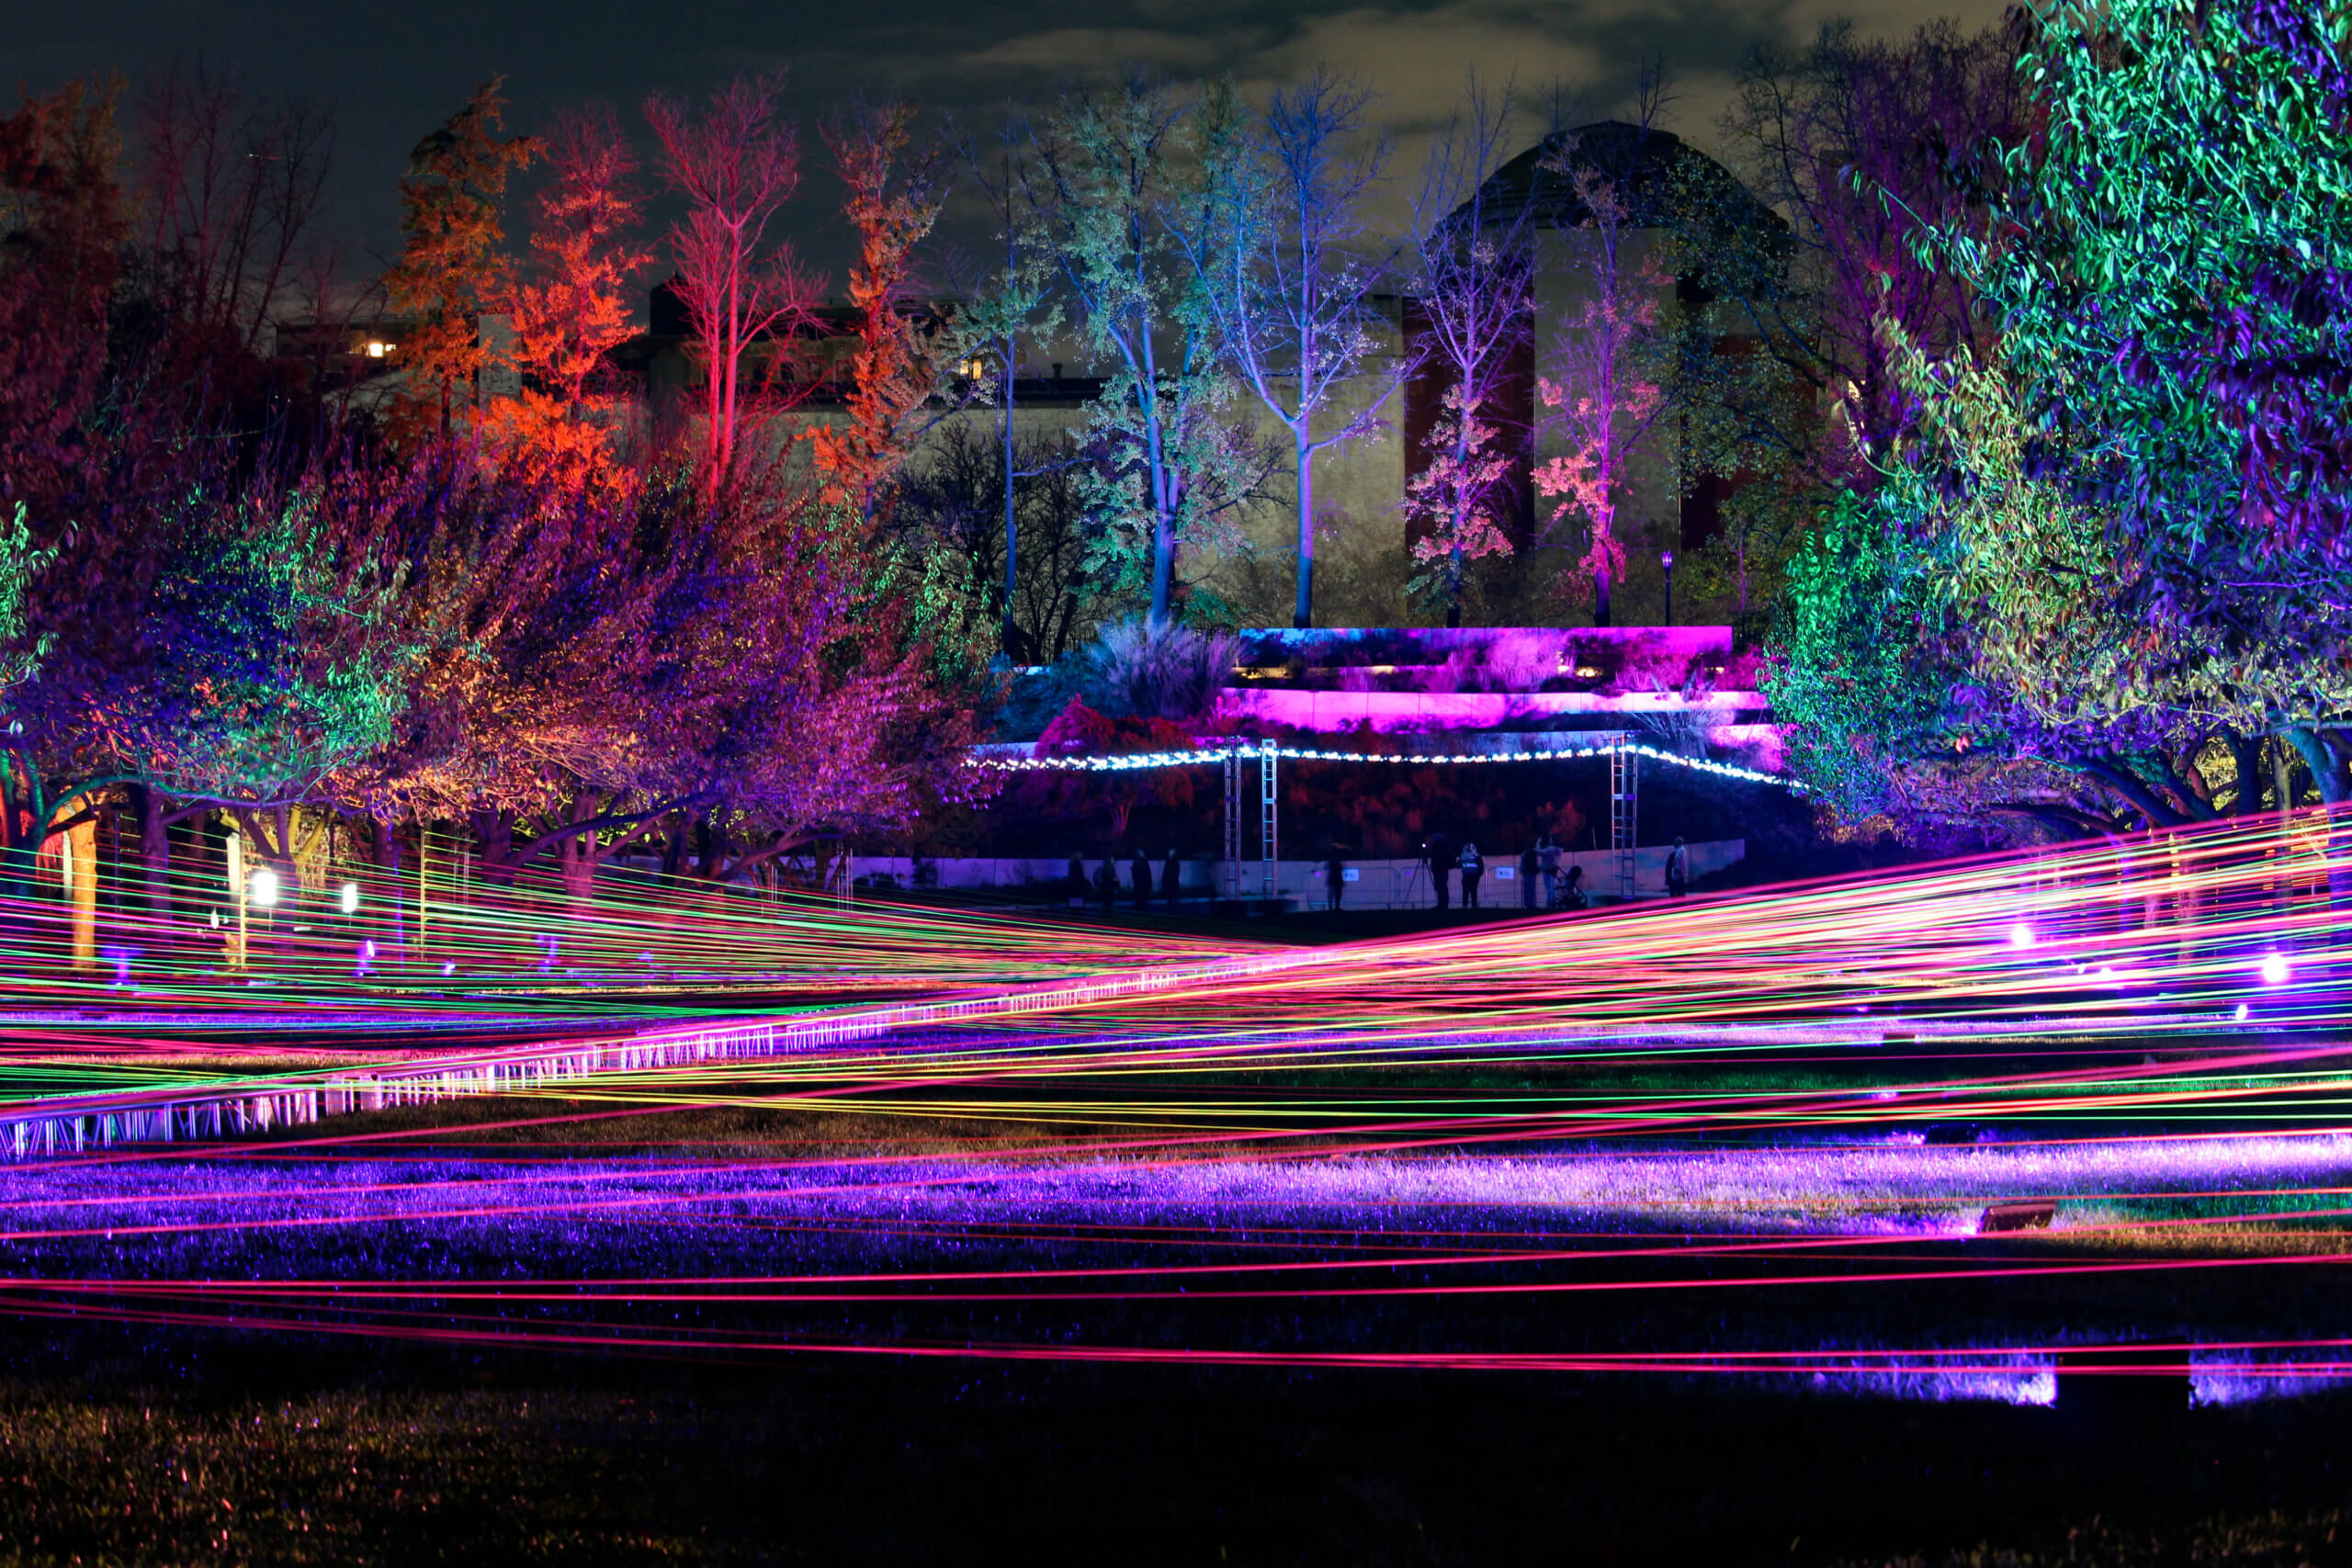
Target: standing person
x: 1547, y: 857
x: 1335, y: 874
x: 1077, y: 883
x: 1678, y: 868
x: 1172, y: 879
x: 1140, y: 870
x: 1106, y: 884
x: 1526, y: 866
x: 1439, y: 852
x: 1472, y: 866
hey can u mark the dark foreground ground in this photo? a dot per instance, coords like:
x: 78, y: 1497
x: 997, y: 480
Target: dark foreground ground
x: 162, y: 1443
x: 202, y: 1449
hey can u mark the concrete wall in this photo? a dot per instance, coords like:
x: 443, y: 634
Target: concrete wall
x: 1379, y: 884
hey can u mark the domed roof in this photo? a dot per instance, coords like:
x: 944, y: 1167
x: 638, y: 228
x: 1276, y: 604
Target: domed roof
x: 1655, y: 172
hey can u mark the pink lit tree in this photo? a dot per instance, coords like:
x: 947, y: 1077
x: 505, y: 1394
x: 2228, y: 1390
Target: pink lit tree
x: 1475, y: 282
x: 736, y: 165
x: 1611, y: 393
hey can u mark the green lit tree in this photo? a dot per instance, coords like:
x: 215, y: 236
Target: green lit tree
x: 2172, y: 264
x: 2127, y: 527
x: 1112, y: 195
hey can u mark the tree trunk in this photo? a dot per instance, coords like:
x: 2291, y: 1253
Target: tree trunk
x: 385, y: 852
x: 1302, y: 615
x: 81, y: 865
x: 1163, y: 564
x: 154, y: 853
x: 2325, y: 757
x: 1600, y: 598
x: 1012, y: 514
x: 495, y: 831
x: 2247, y: 752
x: 577, y: 855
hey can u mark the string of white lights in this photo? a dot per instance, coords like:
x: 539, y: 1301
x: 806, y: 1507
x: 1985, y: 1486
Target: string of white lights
x: 1139, y: 761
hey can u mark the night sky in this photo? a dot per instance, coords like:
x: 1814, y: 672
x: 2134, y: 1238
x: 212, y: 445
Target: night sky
x: 392, y: 72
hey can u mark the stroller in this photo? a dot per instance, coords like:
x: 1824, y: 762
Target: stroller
x: 1569, y: 893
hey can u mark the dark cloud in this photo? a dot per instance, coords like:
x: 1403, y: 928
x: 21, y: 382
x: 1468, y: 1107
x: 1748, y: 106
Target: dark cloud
x: 393, y: 72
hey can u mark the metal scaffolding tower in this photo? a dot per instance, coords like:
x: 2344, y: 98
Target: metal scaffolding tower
x: 1624, y: 804
x: 1233, y: 824
x: 1624, y: 791
x: 1267, y: 801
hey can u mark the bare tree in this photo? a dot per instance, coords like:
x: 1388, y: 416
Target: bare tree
x: 951, y: 499
x: 736, y: 165
x: 1473, y: 261
x: 1287, y: 272
x: 1016, y: 300
x: 1611, y: 349
x: 1106, y: 191
x: 229, y: 197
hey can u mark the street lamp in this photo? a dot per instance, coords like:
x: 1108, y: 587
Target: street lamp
x: 1666, y: 559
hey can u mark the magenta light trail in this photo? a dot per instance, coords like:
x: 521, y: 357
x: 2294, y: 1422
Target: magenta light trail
x: 1661, y: 1142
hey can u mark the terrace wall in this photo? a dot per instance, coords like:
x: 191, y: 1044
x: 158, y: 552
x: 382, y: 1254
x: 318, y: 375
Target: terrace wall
x: 1379, y: 885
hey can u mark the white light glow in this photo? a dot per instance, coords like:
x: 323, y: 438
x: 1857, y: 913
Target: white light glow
x: 351, y: 897
x: 2020, y: 935
x: 262, y: 889
x: 2275, y: 969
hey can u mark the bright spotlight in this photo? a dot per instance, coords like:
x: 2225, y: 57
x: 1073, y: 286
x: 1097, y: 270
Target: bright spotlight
x: 2276, y: 970
x: 2240, y: 1012
x: 262, y: 889
x: 2020, y: 935
x: 351, y: 897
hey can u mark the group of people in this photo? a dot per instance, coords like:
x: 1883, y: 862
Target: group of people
x: 1541, y: 861
x: 1105, y: 882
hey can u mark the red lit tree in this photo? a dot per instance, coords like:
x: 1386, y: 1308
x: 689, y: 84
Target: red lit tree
x: 893, y: 202
x: 736, y: 165
x: 574, y: 308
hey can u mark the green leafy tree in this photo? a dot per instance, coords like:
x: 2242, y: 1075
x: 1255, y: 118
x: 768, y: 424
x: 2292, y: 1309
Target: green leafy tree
x: 2172, y: 265
x: 1853, y: 675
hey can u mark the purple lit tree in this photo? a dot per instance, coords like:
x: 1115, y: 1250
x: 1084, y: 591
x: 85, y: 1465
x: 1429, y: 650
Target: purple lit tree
x: 1288, y: 269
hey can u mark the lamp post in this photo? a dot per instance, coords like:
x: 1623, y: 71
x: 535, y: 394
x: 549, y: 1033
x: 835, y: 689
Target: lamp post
x: 1666, y: 559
